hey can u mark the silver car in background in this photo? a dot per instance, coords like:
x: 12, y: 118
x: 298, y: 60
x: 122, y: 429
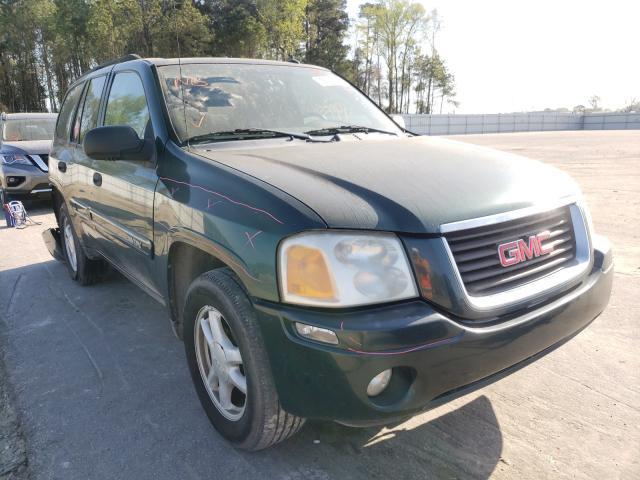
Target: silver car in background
x: 25, y: 140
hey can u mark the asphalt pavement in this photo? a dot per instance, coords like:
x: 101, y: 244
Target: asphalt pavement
x: 102, y: 391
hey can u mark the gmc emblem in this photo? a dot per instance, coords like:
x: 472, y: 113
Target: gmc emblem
x: 518, y: 251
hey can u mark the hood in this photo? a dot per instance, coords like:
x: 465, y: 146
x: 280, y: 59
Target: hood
x: 411, y: 185
x: 35, y: 147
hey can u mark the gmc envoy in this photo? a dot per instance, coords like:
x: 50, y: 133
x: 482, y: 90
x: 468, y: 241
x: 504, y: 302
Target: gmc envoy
x: 318, y: 260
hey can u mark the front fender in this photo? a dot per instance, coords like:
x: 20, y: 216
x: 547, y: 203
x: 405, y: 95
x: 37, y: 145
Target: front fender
x: 247, y: 275
x: 236, y: 218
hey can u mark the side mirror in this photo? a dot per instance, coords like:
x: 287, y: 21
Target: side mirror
x: 116, y: 142
x: 399, y: 119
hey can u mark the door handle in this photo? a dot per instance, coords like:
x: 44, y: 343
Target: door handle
x: 62, y: 167
x: 97, y: 179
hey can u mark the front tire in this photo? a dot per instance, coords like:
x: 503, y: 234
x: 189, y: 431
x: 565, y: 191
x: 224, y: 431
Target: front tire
x: 81, y: 268
x: 229, y: 364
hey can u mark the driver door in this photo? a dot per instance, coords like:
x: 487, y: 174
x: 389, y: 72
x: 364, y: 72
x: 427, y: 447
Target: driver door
x: 123, y: 208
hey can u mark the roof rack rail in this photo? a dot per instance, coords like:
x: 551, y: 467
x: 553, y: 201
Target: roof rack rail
x: 126, y: 58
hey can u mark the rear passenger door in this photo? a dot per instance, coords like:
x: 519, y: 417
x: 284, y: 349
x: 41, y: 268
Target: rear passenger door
x: 62, y: 150
x: 83, y: 195
x: 123, y: 208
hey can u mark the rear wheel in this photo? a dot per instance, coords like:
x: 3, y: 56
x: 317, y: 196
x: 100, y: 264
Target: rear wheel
x: 82, y: 269
x: 229, y: 364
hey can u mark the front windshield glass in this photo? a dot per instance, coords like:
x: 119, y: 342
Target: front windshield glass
x: 26, y: 129
x: 226, y: 97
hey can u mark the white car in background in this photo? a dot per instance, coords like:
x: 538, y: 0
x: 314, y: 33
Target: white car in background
x: 25, y: 140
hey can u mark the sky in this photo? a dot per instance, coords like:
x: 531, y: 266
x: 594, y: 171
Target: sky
x: 520, y: 55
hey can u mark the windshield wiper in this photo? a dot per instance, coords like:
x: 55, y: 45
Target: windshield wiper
x: 348, y: 129
x: 246, y: 133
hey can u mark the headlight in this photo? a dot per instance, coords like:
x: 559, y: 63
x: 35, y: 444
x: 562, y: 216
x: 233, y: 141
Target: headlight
x: 334, y: 269
x: 15, y: 160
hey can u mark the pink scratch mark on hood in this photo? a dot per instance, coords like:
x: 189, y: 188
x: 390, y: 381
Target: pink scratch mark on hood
x: 228, y: 199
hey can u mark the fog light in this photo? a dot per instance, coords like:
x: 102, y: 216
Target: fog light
x: 316, y: 333
x: 12, y: 181
x: 379, y: 383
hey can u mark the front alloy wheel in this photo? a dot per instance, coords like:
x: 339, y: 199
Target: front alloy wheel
x: 229, y: 364
x: 220, y: 363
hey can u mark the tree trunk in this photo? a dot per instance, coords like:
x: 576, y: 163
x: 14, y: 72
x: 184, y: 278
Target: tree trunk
x: 428, y: 106
x: 47, y: 72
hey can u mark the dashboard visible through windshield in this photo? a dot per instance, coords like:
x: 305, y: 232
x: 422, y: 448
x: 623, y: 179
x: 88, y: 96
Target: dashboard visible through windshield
x: 209, y: 98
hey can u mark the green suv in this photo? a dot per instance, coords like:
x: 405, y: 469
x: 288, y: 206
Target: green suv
x: 318, y: 260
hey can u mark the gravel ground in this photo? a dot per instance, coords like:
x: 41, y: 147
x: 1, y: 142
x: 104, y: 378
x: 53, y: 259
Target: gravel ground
x: 102, y: 389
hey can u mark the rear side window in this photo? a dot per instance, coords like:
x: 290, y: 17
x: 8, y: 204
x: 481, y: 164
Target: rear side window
x: 91, y: 106
x: 127, y: 103
x: 66, y: 113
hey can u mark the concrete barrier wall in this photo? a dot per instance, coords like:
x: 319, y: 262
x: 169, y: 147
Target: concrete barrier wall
x: 519, y: 122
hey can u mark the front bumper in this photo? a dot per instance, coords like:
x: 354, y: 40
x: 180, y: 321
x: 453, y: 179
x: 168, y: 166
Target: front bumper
x: 32, y: 180
x: 435, y: 358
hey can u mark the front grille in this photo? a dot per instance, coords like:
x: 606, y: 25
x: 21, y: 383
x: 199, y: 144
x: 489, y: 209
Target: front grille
x: 476, y: 251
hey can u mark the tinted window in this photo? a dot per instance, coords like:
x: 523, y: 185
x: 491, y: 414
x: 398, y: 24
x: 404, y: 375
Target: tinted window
x: 66, y: 112
x: 91, y: 106
x: 127, y: 104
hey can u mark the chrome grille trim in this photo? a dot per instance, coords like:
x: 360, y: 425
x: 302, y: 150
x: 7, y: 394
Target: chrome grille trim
x: 39, y: 162
x: 506, y: 216
x: 574, y: 268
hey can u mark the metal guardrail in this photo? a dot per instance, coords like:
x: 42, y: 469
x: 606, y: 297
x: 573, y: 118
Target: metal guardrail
x: 519, y: 122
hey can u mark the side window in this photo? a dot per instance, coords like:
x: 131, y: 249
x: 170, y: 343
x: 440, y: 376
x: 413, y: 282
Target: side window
x: 127, y: 104
x: 65, y: 118
x: 91, y: 106
x: 75, y: 125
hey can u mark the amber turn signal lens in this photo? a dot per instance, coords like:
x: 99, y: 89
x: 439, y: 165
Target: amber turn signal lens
x: 308, y: 274
x: 423, y: 273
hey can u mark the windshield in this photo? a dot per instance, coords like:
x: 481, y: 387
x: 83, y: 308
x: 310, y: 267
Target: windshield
x: 226, y: 97
x: 25, y: 129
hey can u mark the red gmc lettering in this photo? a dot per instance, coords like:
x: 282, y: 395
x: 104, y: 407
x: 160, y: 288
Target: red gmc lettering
x: 518, y: 251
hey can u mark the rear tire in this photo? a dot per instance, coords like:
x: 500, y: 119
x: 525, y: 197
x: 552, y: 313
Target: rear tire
x: 81, y: 268
x: 252, y: 420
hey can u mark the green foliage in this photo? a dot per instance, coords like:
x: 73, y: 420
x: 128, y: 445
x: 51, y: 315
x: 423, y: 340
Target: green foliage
x: 633, y: 105
x: 283, y: 23
x: 326, y: 25
x: 238, y: 30
x: 46, y: 44
x: 388, y: 60
x: 20, y: 88
x: 182, y: 30
x: 111, y: 27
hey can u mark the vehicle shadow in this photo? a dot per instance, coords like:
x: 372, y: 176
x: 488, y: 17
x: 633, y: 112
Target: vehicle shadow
x: 463, y: 443
x: 107, y: 354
